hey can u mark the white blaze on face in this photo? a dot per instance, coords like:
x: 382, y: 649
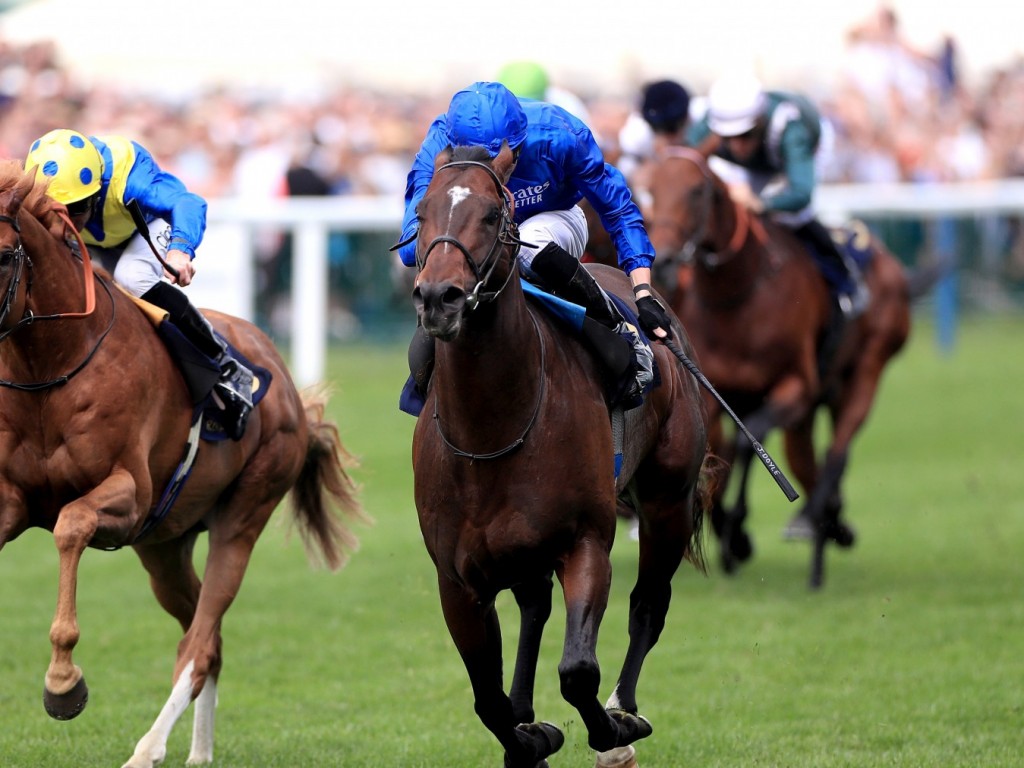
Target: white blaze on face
x: 457, y: 195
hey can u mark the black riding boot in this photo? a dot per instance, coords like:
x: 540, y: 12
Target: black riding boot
x: 235, y: 385
x: 851, y: 293
x: 564, y: 276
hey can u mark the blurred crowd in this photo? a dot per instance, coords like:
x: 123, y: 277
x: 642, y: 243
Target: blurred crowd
x: 896, y: 114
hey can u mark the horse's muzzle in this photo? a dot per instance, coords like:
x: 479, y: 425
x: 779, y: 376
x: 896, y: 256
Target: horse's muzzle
x: 439, y: 307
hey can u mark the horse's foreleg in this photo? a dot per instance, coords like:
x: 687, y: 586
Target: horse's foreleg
x: 534, y: 600
x: 473, y: 625
x: 736, y: 544
x: 65, y: 693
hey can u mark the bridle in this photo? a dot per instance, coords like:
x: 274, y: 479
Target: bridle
x: 507, y: 235
x: 21, y: 259
x: 745, y: 222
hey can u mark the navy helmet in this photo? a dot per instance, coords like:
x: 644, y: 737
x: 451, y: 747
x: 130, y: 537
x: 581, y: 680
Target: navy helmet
x: 666, y: 104
x: 485, y: 114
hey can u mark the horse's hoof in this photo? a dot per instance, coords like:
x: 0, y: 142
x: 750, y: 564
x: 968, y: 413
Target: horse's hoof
x: 742, y: 546
x: 620, y: 757
x: 66, y: 706
x: 843, y: 535
x: 631, y: 727
x: 800, y: 528
x: 545, y: 738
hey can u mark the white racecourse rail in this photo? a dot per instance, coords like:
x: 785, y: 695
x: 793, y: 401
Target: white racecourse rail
x: 232, y: 223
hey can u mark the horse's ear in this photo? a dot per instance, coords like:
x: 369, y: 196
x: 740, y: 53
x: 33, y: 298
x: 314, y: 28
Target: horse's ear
x: 12, y: 199
x: 443, y: 157
x: 504, y: 163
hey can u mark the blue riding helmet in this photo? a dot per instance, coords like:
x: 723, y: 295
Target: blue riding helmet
x: 485, y: 114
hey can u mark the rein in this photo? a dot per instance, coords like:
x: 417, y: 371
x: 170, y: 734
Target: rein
x: 507, y: 235
x: 22, y: 258
x: 533, y: 418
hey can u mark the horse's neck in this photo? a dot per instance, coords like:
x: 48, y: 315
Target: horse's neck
x: 55, y: 283
x: 739, y: 263
x: 493, y: 366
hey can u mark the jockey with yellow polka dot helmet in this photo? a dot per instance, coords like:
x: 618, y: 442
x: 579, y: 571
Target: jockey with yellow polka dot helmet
x: 97, y: 179
x: 70, y: 162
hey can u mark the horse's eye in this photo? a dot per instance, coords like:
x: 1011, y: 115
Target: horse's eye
x: 6, y: 257
x: 492, y: 216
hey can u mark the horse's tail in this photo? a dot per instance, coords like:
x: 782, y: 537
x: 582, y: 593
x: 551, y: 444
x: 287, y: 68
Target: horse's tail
x: 323, y: 486
x: 713, y: 471
x: 921, y: 280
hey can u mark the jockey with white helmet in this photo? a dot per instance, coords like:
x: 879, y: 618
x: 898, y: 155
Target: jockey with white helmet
x: 775, y: 137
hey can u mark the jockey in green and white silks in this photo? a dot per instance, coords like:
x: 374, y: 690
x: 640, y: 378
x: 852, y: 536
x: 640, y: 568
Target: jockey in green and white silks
x: 96, y: 179
x: 775, y: 137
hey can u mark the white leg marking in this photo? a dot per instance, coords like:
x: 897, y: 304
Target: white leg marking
x: 152, y: 747
x: 202, y: 725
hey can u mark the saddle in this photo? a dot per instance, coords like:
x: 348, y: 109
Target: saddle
x: 618, y: 374
x: 201, y: 372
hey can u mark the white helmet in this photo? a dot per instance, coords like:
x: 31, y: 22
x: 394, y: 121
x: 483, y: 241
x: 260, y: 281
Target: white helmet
x: 734, y: 104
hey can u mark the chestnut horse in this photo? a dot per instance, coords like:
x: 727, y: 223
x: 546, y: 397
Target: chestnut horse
x: 514, y: 472
x: 94, y: 420
x: 761, y: 318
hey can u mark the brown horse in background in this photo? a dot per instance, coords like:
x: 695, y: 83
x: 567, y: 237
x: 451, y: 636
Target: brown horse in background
x: 94, y: 421
x: 514, y: 470
x: 764, y: 325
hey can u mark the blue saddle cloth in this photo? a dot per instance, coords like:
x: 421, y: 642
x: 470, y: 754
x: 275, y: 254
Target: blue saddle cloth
x: 212, y: 429
x: 411, y: 400
x: 854, y: 242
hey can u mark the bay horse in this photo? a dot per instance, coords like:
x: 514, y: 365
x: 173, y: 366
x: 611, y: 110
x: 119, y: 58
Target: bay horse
x: 94, y: 420
x: 514, y: 472
x: 762, y: 320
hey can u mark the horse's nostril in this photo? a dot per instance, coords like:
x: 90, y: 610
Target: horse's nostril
x: 434, y: 296
x: 453, y: 295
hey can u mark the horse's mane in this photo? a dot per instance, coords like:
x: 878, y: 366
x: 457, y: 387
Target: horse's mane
x: 37, y: 202
x: 474, y: 153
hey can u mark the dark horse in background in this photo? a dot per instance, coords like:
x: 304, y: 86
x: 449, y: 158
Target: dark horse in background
x: 764, y: 325
x: 514, y: 472
x: 94, y: 420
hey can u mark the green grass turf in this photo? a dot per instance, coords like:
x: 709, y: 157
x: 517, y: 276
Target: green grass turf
x: 909, y: 656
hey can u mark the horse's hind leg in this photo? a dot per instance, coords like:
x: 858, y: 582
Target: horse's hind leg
x: 232, y: 538
x: 586, y: 578
x: 473, y: 624
x: 663, y: 543
x: 534, y: 600
x: 176, y: 586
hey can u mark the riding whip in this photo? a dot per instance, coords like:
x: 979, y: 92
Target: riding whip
x: 762, y: 454
x: 141, y: 225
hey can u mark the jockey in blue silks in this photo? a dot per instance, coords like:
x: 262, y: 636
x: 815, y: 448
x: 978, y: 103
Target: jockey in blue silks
x: 558, y: 162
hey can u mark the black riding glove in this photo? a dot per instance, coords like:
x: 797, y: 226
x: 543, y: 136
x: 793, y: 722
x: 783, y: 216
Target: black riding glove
x: 652, y: 315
